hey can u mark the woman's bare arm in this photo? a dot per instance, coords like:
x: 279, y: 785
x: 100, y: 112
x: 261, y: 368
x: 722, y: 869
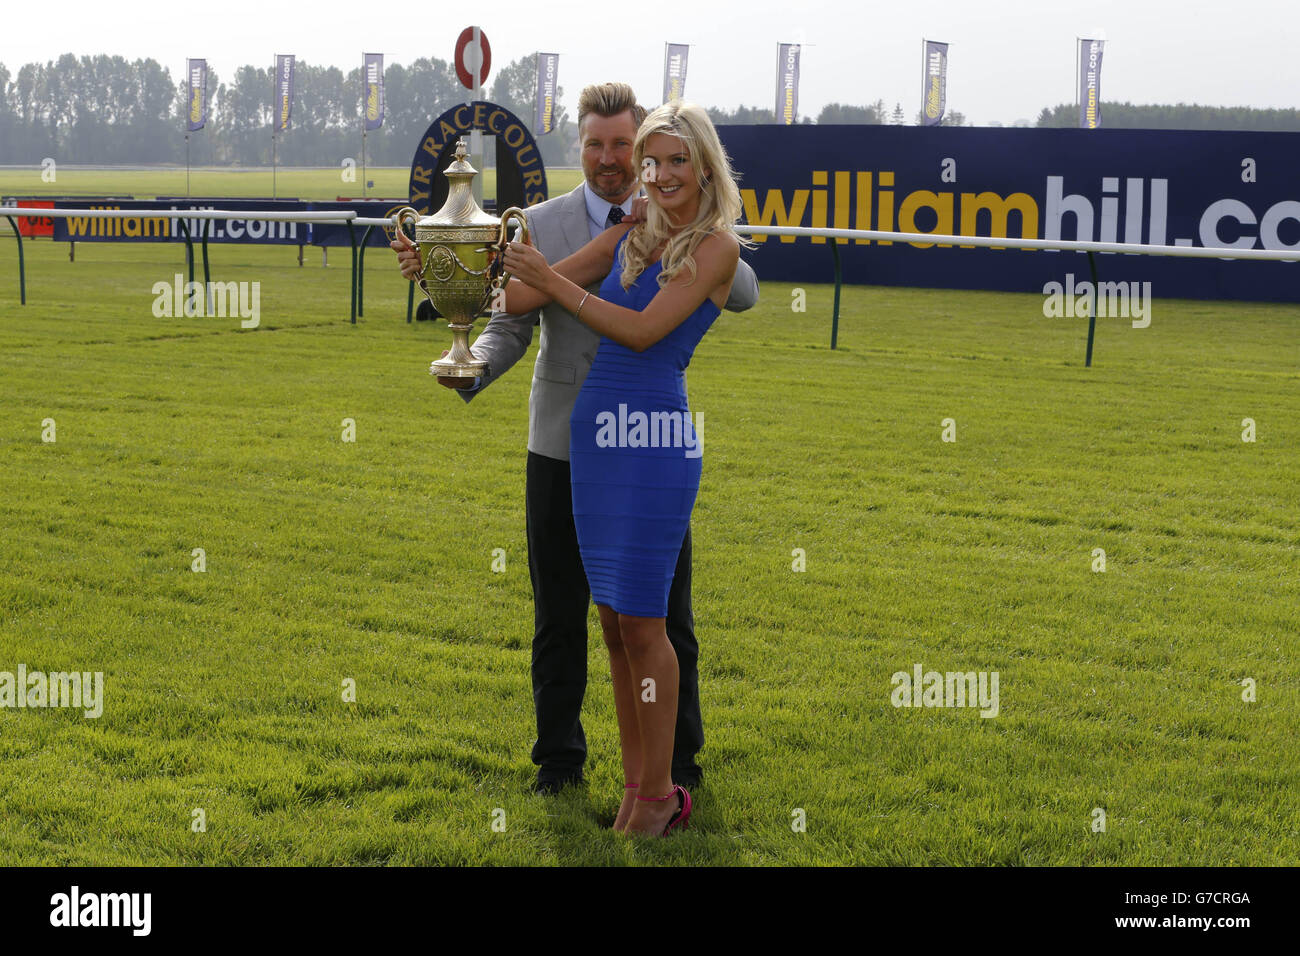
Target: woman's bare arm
x: 715, y: 262
x: 589, y: 264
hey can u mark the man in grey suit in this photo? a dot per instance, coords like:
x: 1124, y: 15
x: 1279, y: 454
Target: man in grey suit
x: 608, y: 117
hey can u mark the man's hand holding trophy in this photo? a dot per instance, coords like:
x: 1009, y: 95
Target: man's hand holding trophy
x: 456, y: 258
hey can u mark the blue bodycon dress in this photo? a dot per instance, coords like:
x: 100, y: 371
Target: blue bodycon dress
x: 635, y: 457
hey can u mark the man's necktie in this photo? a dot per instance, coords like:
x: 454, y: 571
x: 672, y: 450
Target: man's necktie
x: 615, y: 217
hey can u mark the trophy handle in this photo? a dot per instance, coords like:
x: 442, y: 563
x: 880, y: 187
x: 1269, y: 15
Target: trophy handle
x: 497, y: 271
x: 407, y: 213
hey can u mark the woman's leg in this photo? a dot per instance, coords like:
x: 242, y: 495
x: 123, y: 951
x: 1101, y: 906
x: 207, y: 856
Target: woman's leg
x: 629, y: 737
x: 654, y: 678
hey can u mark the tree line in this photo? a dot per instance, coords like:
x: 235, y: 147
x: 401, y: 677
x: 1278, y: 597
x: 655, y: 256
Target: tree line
x: 1179, y: 116
x: 109, y: 110
x: 873, y: 114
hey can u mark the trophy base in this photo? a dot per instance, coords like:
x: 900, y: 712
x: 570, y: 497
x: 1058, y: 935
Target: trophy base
x: 445, y: 366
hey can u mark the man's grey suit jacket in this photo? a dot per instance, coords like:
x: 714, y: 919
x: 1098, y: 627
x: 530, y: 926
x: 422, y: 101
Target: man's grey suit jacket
x: 559, y: 228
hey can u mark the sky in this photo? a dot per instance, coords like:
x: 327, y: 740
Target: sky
x: 1007, y: 60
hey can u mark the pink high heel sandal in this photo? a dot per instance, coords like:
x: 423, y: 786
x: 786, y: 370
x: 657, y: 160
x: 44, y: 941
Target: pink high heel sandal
x: 683, y: 813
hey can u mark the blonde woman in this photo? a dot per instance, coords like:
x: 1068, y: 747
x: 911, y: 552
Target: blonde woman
x: 635, y: 450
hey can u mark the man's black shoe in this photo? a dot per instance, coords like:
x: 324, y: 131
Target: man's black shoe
x: 549, y: 784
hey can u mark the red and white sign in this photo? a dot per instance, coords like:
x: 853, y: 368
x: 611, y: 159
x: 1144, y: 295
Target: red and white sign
x: 31, y: 227
x: 464, y: 55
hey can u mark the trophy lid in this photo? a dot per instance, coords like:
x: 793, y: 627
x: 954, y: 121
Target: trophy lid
x: 460, y: 209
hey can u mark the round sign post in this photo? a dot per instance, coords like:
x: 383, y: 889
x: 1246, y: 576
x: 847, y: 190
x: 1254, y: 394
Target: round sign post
x: 473, y: 58
x: 473, y: 62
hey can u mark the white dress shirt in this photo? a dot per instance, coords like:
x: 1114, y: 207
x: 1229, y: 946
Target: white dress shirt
x: 598, y: 209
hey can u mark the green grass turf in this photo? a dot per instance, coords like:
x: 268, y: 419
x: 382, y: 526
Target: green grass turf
x: 371, y: 561
x: 298, y: 183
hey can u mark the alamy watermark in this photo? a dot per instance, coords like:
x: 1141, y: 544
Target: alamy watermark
x: 923, y: 688
x: 653, y: 430
x: 128, y: 910
x: 36, y: 689
x: 1111, y: 300
x: 179, y: 299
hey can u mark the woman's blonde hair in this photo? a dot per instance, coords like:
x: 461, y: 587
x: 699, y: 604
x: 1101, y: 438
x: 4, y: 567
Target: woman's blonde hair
x: 720, y: 207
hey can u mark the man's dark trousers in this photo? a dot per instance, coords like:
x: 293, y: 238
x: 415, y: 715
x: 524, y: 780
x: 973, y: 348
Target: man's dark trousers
x: 560, y: 601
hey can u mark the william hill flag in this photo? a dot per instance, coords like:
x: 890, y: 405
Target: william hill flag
x: 548, y: 68
x: 373, y: 89
x: 934, y: 95
x: 675, y: 55
x: 283, y: 91
x: 197, y: 70
x: 787, y: 83
x: 1090, y: 83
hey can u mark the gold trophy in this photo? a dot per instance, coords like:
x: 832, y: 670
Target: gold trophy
x: 461, y: 250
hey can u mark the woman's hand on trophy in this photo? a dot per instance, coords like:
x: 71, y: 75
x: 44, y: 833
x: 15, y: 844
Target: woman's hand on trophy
x: 527, y: 264
x: 408, y: 256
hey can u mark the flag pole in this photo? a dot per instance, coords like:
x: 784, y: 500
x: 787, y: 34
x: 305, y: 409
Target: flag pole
x: 275, y: 120
x: 925, y: 81
x: 474, y: 60
x: 365, y: 95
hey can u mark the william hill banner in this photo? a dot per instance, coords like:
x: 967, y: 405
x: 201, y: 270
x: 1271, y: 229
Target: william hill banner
x: 1153, y: 187
x: 166, y: 220
x: 1090, y: 52
x: 197, y: 70
x: 675, y: 57
x: 548, y: 68
x: 373, y: 90
x: 787, y: 83
x: 162, y: 220
x: 935, y: 93
x: 283, y: 91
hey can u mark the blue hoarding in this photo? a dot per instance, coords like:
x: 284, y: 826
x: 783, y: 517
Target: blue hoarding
x: 1156, y: 187
x: 161, y: 221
